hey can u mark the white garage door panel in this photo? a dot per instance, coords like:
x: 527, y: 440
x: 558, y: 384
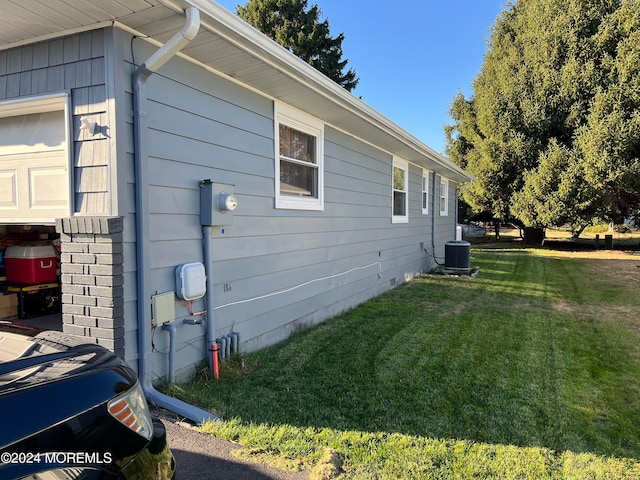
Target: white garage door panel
x: 8, y: 190
x: 32, y: 133
x: 34, y: 172
x: 47, y: 188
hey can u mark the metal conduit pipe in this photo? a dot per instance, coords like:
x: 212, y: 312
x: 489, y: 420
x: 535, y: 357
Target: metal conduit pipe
x: 207, y: 231
x: 229, y: 340
x: 433, y: 217
x: 172, y: 349
x: 222, y: 347
x: 143, y: 290
x: 456, y: 212
x: 236, y: 341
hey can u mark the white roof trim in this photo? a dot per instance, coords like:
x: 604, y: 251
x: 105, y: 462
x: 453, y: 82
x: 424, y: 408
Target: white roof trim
x: 228, y: 46
x: 277, y: 56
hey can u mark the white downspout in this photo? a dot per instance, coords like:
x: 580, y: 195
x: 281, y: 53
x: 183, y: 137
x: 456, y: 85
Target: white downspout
x: 144, y: 293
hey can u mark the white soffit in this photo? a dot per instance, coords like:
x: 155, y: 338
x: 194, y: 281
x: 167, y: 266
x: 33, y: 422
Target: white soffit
x: 227, y: 45
x: 252, y: 58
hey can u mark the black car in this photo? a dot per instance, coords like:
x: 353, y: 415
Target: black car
x: 71, y: 410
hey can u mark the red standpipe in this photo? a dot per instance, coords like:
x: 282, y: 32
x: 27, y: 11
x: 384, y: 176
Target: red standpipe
x: 214, y: 355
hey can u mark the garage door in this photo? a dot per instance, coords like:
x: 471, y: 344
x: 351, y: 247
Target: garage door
x: 34, y: 168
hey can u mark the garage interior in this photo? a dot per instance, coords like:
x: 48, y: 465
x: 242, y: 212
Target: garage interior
x: 30, y: 276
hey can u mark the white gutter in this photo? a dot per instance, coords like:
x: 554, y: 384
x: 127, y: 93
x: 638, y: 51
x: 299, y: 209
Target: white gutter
x: 144, y: 292
x: 258, y: 45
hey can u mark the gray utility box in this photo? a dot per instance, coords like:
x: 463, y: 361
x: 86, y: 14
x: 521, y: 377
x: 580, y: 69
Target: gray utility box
x: 217, y: 203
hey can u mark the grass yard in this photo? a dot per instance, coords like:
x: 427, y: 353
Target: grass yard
x: 531, y: 370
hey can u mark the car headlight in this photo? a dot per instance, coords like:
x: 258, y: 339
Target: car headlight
x: 132, y: 411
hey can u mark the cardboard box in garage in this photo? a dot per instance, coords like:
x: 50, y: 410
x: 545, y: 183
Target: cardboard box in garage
x: 9, y: 307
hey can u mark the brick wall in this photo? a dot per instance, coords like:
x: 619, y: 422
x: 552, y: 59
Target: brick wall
x: 92, y: 279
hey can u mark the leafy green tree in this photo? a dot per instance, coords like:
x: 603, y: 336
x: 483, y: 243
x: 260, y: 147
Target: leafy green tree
x: 552, y: 131
x: 299, y: 29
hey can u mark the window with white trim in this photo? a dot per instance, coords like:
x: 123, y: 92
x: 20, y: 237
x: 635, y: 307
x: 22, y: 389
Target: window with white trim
x: 299, y: 161
x: 444, y: 197
x: 400, y: 191
x: 425, y: 192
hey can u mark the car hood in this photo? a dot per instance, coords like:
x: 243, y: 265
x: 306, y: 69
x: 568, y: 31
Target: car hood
x: 43, y: 369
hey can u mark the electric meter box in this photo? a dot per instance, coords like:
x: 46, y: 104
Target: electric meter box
x: 191, y: 281
x: 217, y: 203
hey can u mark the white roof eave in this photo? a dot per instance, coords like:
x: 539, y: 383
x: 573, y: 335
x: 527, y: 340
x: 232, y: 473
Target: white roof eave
x: 229, y: 46
x: 319, y: 96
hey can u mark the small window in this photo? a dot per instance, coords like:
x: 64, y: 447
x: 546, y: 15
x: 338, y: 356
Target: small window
x: 299, y: 161
x: 444, y: 197
x: 400, y: 191
x: 425, y: 192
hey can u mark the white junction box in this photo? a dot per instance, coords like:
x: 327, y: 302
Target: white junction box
x: 191, y: 281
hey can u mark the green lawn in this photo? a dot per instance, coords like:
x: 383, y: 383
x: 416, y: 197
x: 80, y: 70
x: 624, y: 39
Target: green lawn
x: 530, y: 370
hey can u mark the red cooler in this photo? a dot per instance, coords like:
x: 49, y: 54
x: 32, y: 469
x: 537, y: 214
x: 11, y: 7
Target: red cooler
x: 31, y: 264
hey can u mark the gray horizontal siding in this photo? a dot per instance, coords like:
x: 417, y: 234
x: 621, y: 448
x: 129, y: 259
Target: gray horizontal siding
x: 264, y: 318
x: 286, y: 268
x: 200, y: 127
x: 76, y: 64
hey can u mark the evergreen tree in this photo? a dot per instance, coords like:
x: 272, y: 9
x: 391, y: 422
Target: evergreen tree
x: 552, y: 131
x: 299, y: 29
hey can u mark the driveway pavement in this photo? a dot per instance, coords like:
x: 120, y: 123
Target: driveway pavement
x: 202, y: 457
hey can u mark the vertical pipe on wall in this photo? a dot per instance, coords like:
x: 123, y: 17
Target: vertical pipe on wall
x: 207, y: 231
x: 227, y: 353
x: 455, y: 213
x: 143, y: 289
x: 222, y: 347
x: 172, y: 349
x: 236, y: 341
x: 433, y: 217
x: 215, y: 361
